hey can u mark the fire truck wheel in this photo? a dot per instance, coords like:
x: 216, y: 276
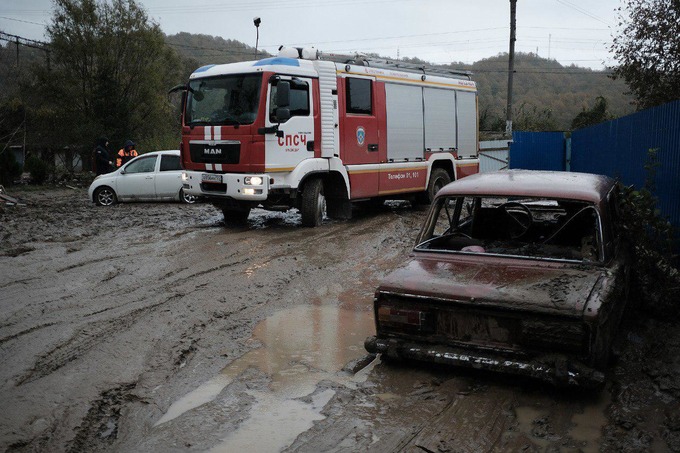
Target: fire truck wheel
x: 313, y: 205
x: 438, y: 179
x: 235, y: 216
x: 105, y: 196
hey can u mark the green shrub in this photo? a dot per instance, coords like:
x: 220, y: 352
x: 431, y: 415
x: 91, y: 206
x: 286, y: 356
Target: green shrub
x: 655, y: 279
x: 38, y: 168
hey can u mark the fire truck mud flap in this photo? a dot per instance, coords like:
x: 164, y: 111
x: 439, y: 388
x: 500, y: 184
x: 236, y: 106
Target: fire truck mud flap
x: 554, y: 369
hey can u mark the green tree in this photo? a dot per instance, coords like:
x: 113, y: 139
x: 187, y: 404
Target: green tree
x: 110, y: 70
x: 596, y: 115
x: 528, y: 117
x: 647, y: 48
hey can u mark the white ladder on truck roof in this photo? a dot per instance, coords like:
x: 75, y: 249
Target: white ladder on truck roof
x: 362, y: 60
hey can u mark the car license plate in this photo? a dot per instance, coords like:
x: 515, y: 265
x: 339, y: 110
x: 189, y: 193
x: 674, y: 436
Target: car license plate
x: 472, y: 327
x: 210, y: 177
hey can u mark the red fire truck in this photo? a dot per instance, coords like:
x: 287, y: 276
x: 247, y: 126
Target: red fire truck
x: 319, y: 132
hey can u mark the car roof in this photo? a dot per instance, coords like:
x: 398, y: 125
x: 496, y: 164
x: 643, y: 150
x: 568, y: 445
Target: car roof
x: 532, y: 183
x: 167, y: 151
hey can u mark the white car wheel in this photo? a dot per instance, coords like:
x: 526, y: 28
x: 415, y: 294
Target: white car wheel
x: 105, y: 196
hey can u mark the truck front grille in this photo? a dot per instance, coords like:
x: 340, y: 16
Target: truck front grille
x: 220, y: 153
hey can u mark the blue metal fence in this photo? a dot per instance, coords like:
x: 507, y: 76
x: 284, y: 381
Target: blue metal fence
x: 537, y: 150
x: 620, y: 148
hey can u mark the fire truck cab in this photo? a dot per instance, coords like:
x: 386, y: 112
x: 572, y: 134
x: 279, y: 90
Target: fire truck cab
x: 319, y: 133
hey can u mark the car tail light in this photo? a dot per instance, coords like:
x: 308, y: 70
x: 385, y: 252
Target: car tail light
x: 405, y: 319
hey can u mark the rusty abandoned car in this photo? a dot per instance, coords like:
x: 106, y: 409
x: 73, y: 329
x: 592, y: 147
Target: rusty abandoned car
x: 521, y: 272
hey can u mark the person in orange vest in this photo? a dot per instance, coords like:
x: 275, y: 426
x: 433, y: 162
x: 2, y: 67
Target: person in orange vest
x: 126, y: 154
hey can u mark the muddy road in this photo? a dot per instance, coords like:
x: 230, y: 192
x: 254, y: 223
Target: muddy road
x: 152, y: 327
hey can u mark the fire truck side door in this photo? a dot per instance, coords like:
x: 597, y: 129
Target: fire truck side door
x: 359, y: 135
x: 290, y: 139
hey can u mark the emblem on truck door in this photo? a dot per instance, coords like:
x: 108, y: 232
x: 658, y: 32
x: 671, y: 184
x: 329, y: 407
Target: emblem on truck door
x: 361, y: 135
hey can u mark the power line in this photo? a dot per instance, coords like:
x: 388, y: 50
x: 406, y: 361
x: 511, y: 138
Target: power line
x: 582, y: 11
x: 401, y: 36
x: 24, y: 21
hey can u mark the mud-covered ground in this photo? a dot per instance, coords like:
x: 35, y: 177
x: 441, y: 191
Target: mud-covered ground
x: 153, y: 327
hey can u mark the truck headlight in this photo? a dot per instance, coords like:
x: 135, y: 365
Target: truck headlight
x: 185, y: 177
x: 252, y: 181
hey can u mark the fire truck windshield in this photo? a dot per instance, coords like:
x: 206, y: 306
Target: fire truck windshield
x: 230, y: 99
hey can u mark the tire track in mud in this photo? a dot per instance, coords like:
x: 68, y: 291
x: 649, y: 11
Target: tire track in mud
x: 223, y: 266
x: 24, y: 281
x: 99, y: 428
x: 25, y: 332
x: 86, y: 263
x: 83, y: 340
x: 484, y: 419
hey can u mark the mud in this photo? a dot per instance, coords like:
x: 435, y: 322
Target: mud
x: 153, y: 327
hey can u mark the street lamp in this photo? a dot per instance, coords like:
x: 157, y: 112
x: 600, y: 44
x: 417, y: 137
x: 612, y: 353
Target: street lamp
x: 256, y: 22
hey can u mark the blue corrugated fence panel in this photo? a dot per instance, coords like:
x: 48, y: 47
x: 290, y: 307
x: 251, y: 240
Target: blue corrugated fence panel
x: 537, y: 151
x: 620, y: 148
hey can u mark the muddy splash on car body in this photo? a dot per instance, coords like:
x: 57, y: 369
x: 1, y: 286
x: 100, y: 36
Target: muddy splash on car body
x: 521, y: 272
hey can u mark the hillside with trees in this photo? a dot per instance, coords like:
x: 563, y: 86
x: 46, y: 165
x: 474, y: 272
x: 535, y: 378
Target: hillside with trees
x: 199, y: 50
x: 546, y: 94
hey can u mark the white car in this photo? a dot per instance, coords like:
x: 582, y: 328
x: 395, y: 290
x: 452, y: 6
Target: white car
x: 152, y: 176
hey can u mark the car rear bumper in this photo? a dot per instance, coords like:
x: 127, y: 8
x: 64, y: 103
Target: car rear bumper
x: 554, y: 369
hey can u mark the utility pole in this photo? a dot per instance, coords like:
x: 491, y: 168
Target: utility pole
x: 511, y: 68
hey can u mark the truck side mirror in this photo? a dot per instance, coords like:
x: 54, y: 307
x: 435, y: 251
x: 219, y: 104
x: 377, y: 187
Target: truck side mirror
x: 283, y: 93
x: 282, y: 114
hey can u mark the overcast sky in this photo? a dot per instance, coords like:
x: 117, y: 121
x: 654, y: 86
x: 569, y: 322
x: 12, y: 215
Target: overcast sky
x: 440, y: 31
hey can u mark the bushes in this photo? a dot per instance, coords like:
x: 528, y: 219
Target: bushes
x: 38, y: 168
x: 654, y: 275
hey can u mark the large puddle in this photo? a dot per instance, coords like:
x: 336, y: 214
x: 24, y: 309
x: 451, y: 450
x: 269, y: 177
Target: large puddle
x: 296, y: 348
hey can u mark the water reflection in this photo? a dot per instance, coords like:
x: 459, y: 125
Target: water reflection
x: 296, y: 348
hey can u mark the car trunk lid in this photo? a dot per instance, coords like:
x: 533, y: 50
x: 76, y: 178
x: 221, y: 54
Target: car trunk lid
x: 551, y: 288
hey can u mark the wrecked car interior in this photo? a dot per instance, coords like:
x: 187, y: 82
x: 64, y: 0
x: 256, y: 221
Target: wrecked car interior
x: 531, y: 227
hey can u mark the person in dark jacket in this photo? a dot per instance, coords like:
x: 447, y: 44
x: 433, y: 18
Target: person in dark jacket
x: 102, y: 157
x: 126, y: 154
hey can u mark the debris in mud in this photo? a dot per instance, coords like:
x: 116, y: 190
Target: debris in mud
x: 358, y: 364
x: 8, y: 200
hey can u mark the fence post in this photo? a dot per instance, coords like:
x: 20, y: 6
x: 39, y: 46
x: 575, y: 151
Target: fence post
x: 567, y: 154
